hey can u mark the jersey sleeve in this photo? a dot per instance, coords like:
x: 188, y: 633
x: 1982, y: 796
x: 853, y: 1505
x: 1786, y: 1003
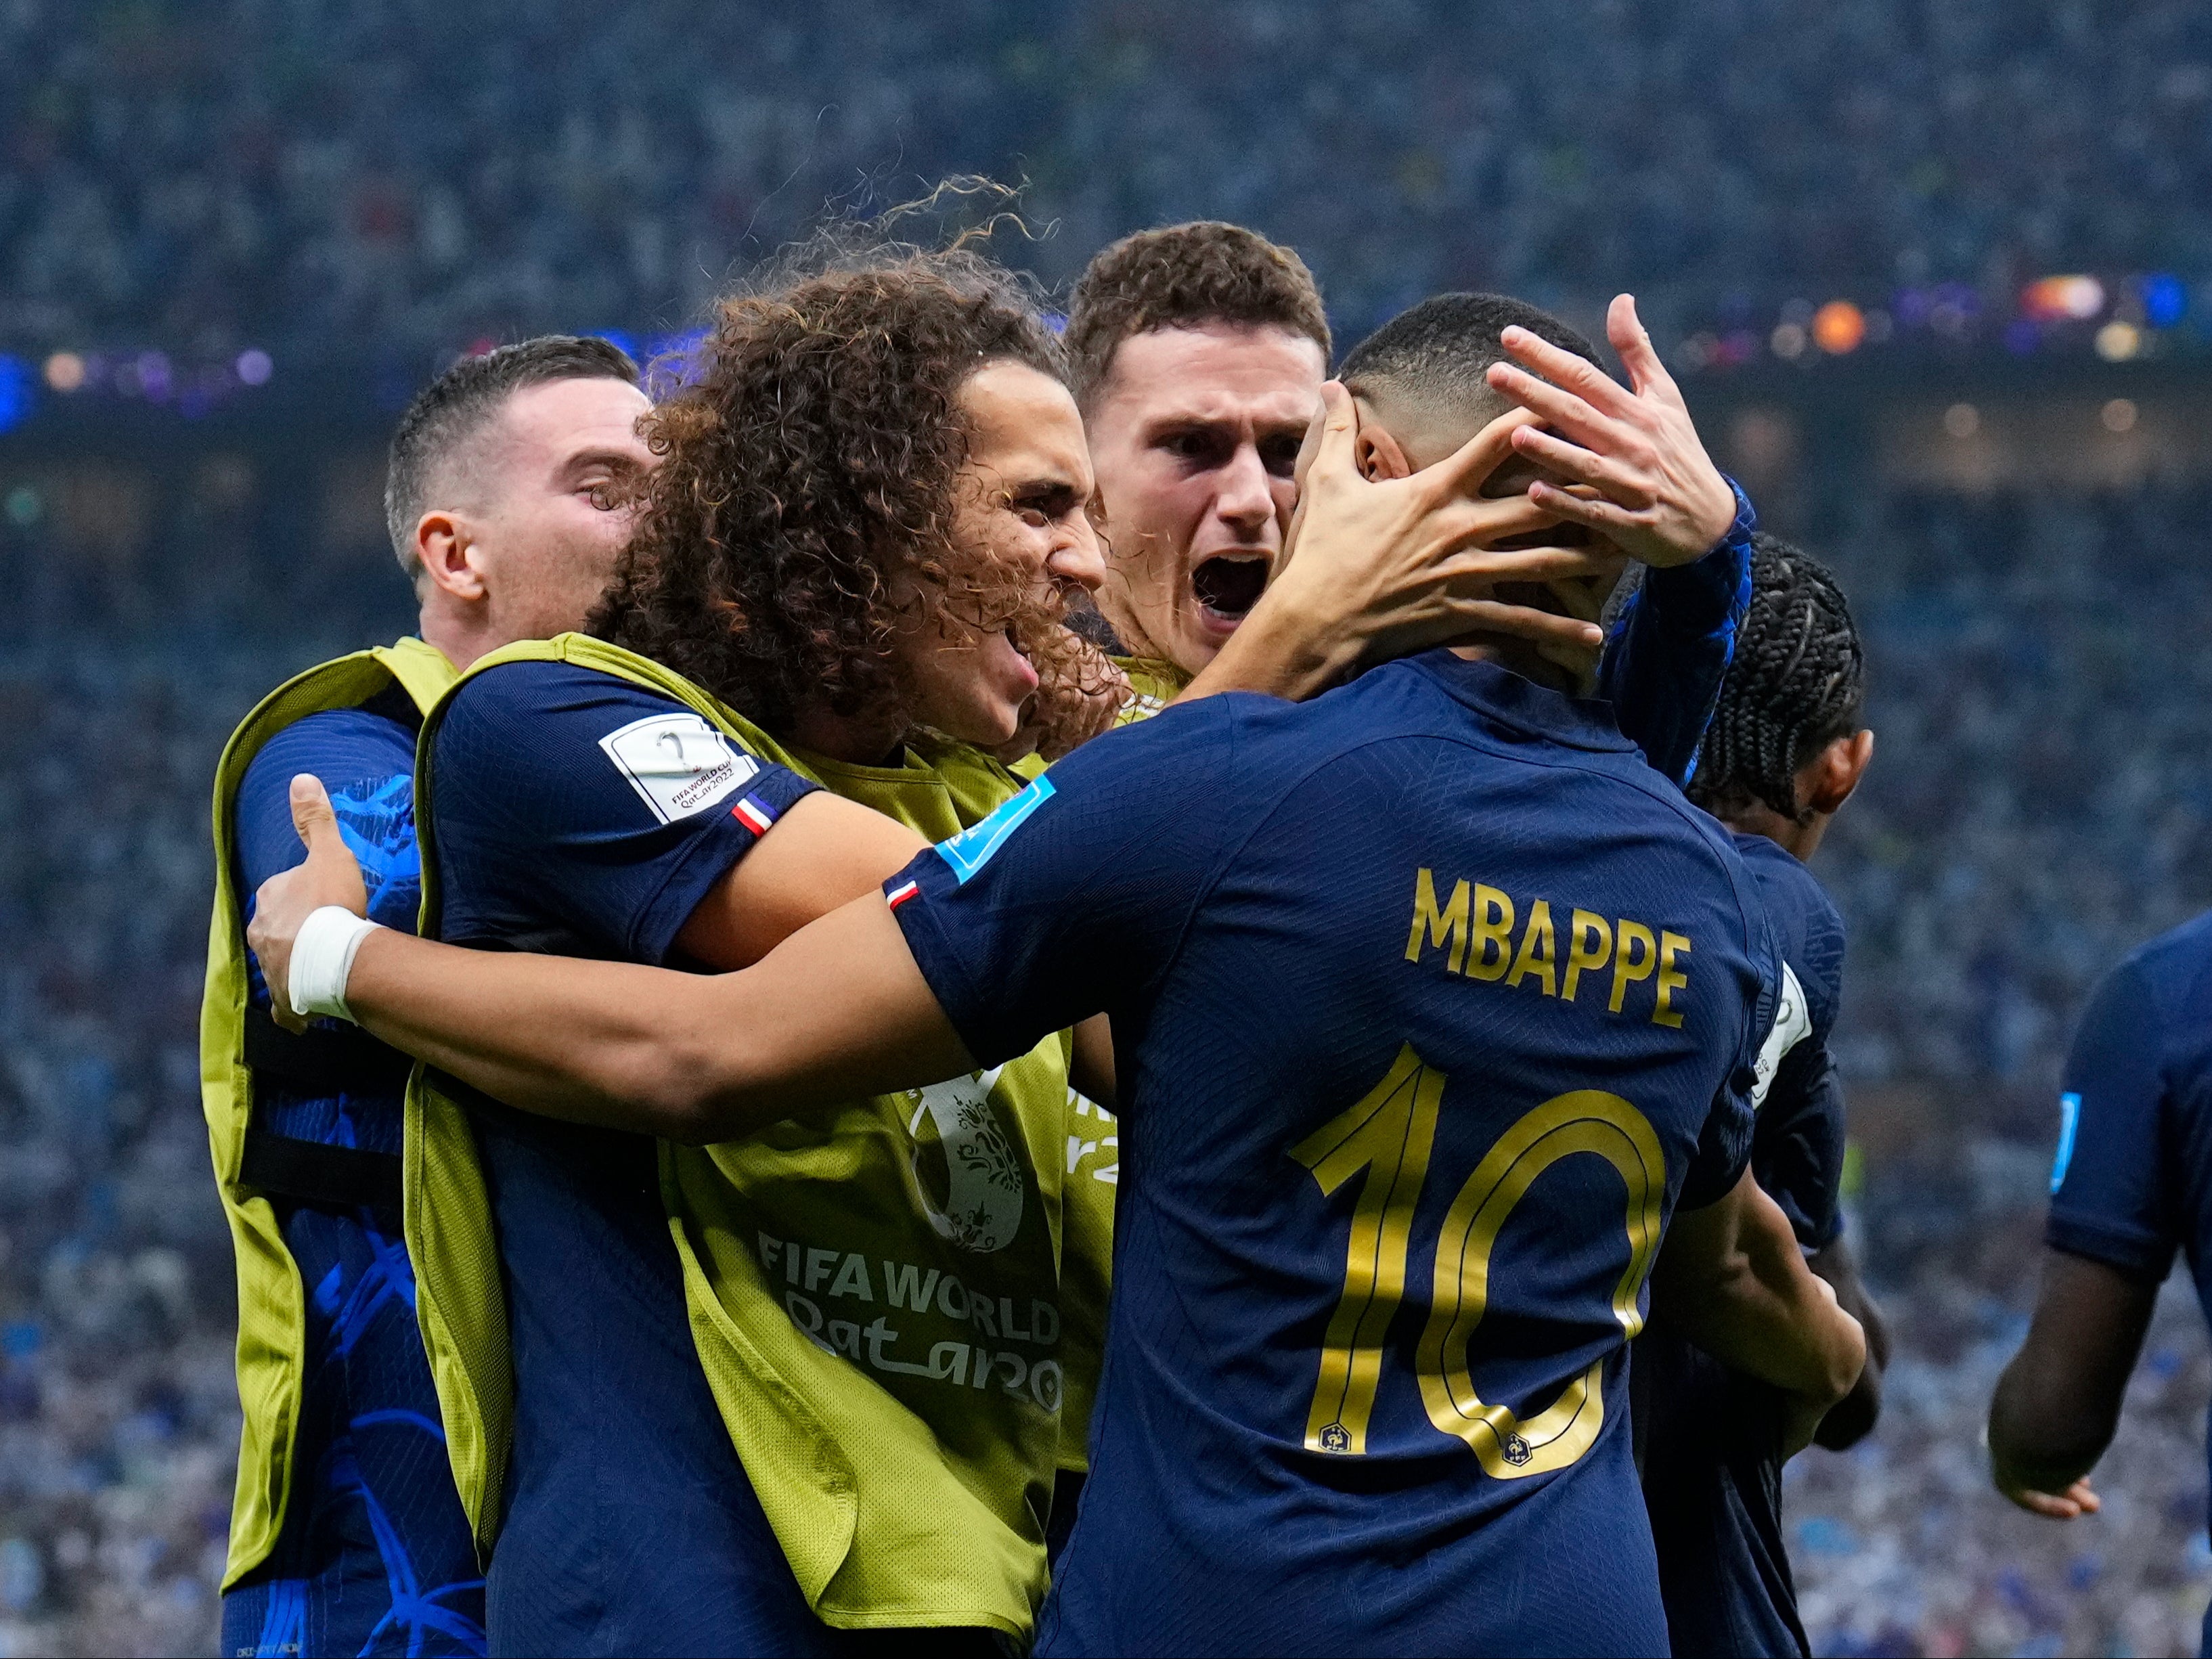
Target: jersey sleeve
x: 367, y: 762
x: 1073, y: 895
x: 574, y: 810
x: 2110, y: 1200
x: 1798, y: 1146
x: 1671, y: 647
x: 1724, y: 1144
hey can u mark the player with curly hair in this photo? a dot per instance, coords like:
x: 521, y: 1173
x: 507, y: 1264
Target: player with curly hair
x: 769, y: 1392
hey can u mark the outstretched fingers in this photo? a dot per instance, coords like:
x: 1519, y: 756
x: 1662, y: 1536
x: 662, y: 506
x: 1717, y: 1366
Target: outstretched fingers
x: 1639, y: 356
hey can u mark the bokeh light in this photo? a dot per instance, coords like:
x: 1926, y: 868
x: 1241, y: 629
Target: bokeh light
x: 2118, y: 416
x: 2116, y: 341
x: 1838, y: 326
x: 2063, y: 299
x: 254, y: 367
x: 65, y: 371
x: 1962, y: 420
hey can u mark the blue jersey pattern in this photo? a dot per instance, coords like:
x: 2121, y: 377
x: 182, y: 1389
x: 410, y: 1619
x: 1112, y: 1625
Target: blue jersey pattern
x: 630, y: 1526
x: 374, y: 1556
x: 2136, y: 1182
x: 1712, y: 1471
x: 1407, y: 1094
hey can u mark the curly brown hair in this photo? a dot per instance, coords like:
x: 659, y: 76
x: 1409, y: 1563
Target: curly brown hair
x: 1184, y: 276
x: 808, y: 475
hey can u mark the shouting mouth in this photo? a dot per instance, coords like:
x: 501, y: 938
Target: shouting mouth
x: 1228, y: 585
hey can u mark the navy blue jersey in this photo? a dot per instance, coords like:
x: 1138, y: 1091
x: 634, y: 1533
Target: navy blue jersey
x: 374, y: 1555
x: 1671, y: 645
x: 2133, y: 1179
x: 1712, y: 1437
x: 578, y: 814
x: 1430, y: 1000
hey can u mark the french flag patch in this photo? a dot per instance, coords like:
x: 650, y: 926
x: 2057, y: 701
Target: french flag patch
x: 900, y: 894
x: 751, y: 811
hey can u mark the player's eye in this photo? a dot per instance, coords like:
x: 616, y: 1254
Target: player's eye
x: 1279, y: 455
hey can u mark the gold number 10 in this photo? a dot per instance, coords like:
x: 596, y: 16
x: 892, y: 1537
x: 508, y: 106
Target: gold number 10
x: 1387, y: 1132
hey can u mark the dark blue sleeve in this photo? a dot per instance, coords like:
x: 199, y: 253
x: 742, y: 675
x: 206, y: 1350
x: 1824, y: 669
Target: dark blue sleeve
x: 368, y: 764
x: 1797, y: 1150
x: 576, y: 812
x: 1724, y: 1144
x: 2111, y: 1200
x: 1071, y: 896
x: 1671, y: 647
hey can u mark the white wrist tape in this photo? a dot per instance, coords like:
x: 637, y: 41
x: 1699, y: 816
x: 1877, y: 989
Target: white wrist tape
x: 322, y: 957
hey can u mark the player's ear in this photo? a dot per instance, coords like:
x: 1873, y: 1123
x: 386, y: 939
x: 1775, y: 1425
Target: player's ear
x: 1379, y: 453
x: 442, y: 543
x: 1830, y: 776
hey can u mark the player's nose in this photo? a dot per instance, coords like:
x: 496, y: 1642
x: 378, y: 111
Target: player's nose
x: 1246, y: 498
x: 1077, y: 556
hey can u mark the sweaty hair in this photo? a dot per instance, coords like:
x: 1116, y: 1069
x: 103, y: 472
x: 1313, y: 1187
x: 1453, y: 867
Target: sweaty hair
x: 1797, y: 684
x: 453, y: 409
x: 1185, y: 277
x: 1436, y: 353
x: 807, y: 489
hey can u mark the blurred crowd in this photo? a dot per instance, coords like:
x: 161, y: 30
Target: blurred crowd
x: 307, y: 175
x: 2040, y: 802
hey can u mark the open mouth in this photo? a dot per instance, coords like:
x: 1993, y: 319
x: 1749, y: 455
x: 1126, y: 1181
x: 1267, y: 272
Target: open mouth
x: 1228, y: 585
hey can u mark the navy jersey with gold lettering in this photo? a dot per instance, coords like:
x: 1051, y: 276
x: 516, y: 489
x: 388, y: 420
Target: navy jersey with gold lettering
x: 1431, y: 1000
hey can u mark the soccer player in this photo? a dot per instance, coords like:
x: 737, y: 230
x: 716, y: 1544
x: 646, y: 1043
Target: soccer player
x: 1785, y: 749
x: 2131, y: 1184
x: 1196, y: 352
x: 1432, y: 1003
x: 346, y: 1535
x: 824, y: 1360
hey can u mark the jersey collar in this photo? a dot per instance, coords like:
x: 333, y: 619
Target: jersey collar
x: 1501, y: 696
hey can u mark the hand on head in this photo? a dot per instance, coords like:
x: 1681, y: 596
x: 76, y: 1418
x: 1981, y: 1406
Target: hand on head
x: 1653, y: 491
x: 331, y: 875
x: 1408, y: 562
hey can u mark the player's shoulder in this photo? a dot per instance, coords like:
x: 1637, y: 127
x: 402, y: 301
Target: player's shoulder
x: 337, y: 745
x: 1808, y: 926
x: 2169, y: 977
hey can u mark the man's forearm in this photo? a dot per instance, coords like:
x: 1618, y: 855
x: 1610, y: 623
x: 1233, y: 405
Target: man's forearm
x: 1733, y: 1281
x: 837, y: 1012
x: 1281, y: 652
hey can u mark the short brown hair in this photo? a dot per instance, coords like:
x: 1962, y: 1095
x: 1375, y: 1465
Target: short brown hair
x: 810, y: 467
x: 1185, y: 277
x: 457, y: 405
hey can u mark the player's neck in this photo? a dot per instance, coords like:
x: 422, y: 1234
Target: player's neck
x: 1519, y: 657
x: 1799, y: 840
x: 461, y: 637
x: 856, y: 741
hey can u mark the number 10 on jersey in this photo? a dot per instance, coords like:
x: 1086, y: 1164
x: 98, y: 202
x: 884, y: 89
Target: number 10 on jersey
x: 1388, y: 1134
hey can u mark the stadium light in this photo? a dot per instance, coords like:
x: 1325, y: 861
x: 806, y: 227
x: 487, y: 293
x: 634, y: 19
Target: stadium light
x: 2063, y: 299
x: 2119, y: 340
x: 65, y: 371
x: 1839, y: 327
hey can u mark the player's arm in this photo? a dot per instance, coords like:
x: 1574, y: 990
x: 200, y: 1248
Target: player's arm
x: 1734, y: 1282
x: 2059, y: 1401
x: 2111, y: 1233
x: 1853, y: 1417
x: 831, y: 852
x: 837, y: 1010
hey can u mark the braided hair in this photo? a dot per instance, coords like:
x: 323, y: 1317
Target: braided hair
x: 1797, y: 683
